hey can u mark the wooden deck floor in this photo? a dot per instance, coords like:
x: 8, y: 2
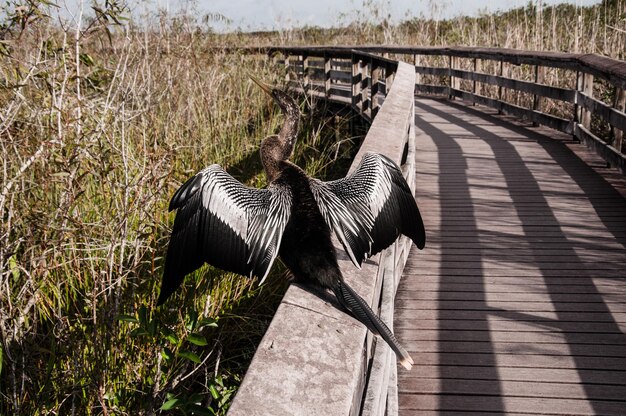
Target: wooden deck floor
x: 517, y: 304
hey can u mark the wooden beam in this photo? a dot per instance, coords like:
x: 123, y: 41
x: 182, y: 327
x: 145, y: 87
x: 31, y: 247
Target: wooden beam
x: 537, y: 98
x: 327, y: 68
x: 500, y: 74
x: 619, y: 105
x: 375, y: 86
x: 287, y: 75
x: 587, y: 89
x: 390, y: 73
x: 603, y: 67
x: 357, y: 96
x: 477, y: 68
x: 306, y: 76
x: 417, y: 61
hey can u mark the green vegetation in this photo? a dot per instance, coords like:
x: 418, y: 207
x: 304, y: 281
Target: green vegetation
x: 100, y: 121
x: 98, y: 129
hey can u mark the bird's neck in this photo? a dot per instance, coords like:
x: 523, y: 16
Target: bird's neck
x: 289, y: 132
x: 273, y: 156
x: 276, y: 150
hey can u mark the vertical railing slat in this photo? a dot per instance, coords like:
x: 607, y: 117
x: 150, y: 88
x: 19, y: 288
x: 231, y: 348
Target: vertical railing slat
x: 306, y: 77
x: 587, y: 89
x: 619, y: 105
x: 327, y: 68
x: 357, y: 98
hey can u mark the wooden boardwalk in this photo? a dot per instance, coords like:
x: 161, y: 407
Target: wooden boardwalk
x: 518, y: 303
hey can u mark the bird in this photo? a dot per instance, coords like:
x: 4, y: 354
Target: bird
x: 243, y: 230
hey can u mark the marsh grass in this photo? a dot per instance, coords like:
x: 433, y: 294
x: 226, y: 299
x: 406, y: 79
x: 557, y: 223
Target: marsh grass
x: 100, y: 122
x: 98, y: 128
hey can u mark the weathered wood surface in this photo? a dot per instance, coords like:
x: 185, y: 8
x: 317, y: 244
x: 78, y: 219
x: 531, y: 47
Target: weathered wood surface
x: 517, y: 305
x: 312, y: 357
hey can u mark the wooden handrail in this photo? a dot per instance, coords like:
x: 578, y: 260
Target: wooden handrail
x: 584, y: 71
x: 314, y: 358
x: 612, y: 70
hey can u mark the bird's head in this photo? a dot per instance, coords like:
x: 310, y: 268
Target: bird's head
x: 286, y: 103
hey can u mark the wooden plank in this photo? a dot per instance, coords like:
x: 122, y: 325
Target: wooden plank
x: 587, y: 91
x: 534, y: 405
x: 547, y: 337
x: 521, y: 286
x: 619, y: 104
x: 521, y: 112
x: 342, y: 76
x: 512, y: 389
x: 431, y: 89
x: 550, y: 306
x: 428, y: 278
x: 306, y: 329
x: 574, y: 326
x: 494, y: 273
x: 534, y: 88
x: 551, y: 375
x: 517, y: 305
x: 528, y: 346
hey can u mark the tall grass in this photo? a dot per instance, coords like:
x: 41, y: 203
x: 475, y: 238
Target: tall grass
x: 99, y: 125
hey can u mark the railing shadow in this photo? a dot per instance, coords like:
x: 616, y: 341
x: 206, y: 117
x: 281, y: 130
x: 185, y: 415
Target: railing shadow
x: 451, y: 155
x: 593, y: 370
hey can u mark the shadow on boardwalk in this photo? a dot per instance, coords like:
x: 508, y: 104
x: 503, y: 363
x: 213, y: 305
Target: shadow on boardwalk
x: 528, y: 256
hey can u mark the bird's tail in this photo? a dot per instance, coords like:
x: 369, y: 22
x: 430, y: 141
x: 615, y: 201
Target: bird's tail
x: 361, y: 311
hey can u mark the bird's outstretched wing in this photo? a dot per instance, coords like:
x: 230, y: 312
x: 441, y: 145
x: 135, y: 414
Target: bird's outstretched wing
x: 370, y: 208
x: 226, y: 224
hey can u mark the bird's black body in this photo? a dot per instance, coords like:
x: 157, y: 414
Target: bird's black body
x: 243, y: 229
x: 306, y: 248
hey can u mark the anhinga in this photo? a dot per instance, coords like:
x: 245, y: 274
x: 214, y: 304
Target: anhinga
x: 240, y: 229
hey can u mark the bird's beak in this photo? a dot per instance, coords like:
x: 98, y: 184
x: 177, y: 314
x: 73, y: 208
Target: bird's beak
x: 264, y: 86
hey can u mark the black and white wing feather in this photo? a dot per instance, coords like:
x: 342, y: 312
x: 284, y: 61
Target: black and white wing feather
x: 226, y: 224
x: 370, y: 208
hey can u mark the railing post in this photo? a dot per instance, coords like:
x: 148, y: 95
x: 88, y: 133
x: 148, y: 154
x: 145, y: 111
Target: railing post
x: 585, y: 85
x: 357, y: 97
x: 501, y: 75
x: 305, y: 73
x: 455, y: 83
x: 620, y: 105
x: 450, y: 63
x: 389, y: 75
x: 417, y: 61
x: 326, y: 75
x: 477, y: 65
x: 537, y: 99
x: 287, y: 77
x: 375, y: 86
x: 366, y: 92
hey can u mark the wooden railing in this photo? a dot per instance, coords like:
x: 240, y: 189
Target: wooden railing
x: 314, y: 359
x: 493, y: 77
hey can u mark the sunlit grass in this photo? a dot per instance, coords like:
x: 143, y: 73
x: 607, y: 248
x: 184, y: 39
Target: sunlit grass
x: 92, y: 152
x: 97, y: 130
